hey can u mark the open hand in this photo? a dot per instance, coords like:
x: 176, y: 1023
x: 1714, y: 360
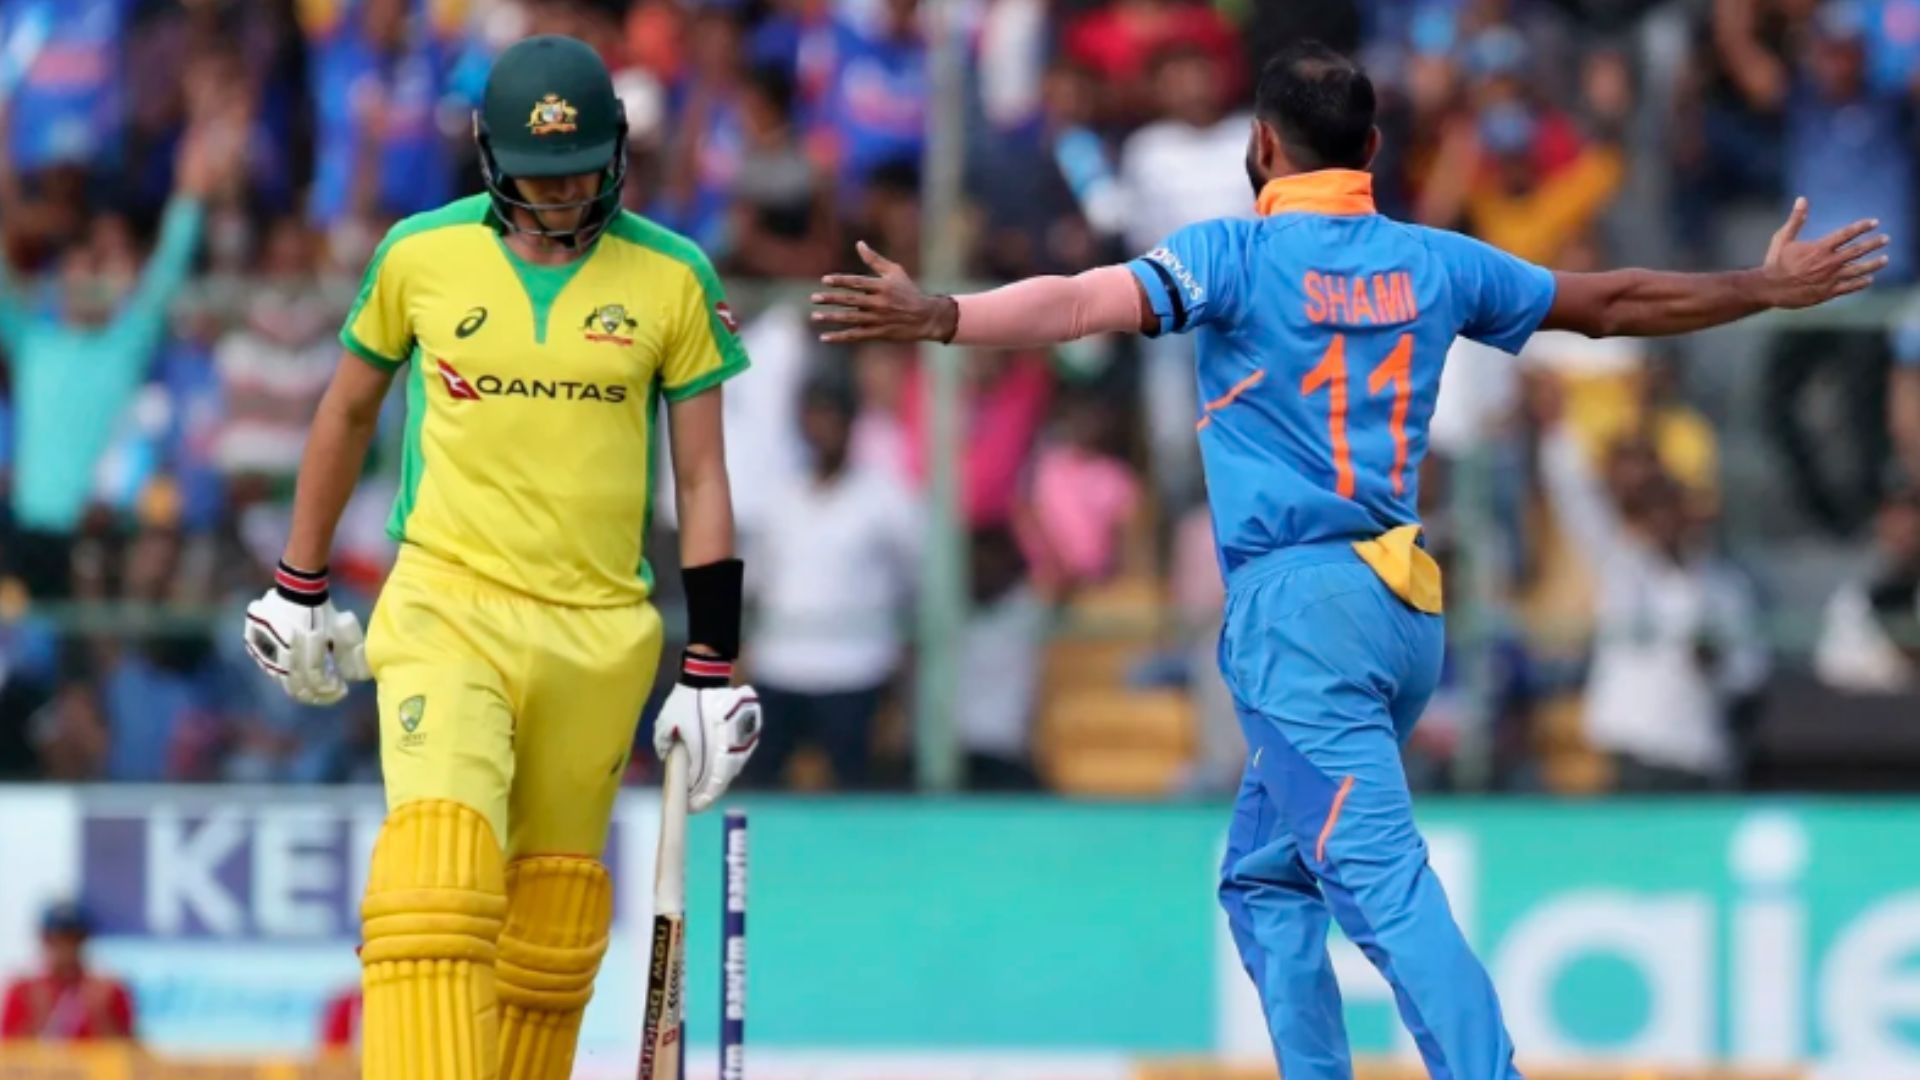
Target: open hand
x: 1801, y: 273
x: 886, y: 307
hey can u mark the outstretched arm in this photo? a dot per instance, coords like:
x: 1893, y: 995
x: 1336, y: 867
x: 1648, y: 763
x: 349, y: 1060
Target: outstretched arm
x: 202, y: 168
x: 1035, y: 312
x: 1651, y: 303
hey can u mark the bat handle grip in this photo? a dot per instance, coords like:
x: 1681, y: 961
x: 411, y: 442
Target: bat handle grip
x: 670, y: 862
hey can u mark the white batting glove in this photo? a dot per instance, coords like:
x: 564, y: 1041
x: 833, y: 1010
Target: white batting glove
x: 718, y: 724
x: 311, y: 649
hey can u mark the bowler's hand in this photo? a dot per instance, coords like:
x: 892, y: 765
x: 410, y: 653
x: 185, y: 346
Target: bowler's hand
x: 1801, y: 273
x: 884, y: 307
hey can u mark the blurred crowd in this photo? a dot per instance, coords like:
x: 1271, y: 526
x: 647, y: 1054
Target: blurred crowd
x: 189, y: 189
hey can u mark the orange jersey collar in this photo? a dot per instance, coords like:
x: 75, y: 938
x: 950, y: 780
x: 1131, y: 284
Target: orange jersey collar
x: 1324, y: 191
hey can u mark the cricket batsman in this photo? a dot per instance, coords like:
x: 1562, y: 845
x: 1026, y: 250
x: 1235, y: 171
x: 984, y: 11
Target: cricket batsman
x: 537, y: 325
x: 1322, y: 329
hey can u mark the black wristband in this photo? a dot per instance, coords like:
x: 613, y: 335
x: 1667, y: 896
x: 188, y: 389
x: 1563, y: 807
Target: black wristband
x: 308, y: 588
x: 713, y: 607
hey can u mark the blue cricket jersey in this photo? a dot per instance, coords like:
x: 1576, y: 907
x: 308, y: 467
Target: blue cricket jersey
x: 1322, y: 328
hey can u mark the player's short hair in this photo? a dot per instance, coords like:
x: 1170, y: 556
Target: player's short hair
x: 1320, y: 102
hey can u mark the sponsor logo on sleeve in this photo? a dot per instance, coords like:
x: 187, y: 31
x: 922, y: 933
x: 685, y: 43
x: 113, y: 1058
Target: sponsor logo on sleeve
x: 1181, y: 275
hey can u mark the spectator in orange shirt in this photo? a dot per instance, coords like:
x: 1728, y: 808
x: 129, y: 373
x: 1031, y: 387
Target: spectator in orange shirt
x: 66, y: 1002
x: 1516, y: 171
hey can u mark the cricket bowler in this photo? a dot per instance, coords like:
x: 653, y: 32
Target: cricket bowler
x: 1322, y: 328
x: 513, y: 645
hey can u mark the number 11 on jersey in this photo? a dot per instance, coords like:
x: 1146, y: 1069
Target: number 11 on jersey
x: 1396, y: 371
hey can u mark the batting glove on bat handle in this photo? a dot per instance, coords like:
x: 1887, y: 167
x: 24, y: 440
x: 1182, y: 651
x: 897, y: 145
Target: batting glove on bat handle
x: 719, y: 726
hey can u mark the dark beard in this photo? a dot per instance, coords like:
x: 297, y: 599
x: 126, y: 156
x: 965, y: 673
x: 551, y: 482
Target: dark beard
x: 1253, y: 176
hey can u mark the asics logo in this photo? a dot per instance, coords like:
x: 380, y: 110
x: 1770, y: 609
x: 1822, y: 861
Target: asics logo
x: 471, y: 325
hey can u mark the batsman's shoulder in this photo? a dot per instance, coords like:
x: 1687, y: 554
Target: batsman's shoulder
x: 650, y: 235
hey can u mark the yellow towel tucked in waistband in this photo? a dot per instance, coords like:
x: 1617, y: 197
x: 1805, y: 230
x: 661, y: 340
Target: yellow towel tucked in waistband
x: 1405, y: 567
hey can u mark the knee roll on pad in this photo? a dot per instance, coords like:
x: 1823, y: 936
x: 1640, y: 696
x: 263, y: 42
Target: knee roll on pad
x: 558, y: 910
x: 430, y: 926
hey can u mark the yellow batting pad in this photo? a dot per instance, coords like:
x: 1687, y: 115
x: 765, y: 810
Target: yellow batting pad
x: 558, y: 911
x: 436, y: 900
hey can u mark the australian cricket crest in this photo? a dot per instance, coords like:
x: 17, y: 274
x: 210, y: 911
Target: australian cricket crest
x: 412, y: 711
x: 552, y: 115
x: 610, y: 323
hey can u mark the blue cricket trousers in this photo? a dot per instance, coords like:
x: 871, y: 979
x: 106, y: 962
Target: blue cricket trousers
x: 1329, y: 672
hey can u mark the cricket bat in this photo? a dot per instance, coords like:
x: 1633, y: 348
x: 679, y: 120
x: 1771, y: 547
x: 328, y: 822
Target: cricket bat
x: 662, y: 1055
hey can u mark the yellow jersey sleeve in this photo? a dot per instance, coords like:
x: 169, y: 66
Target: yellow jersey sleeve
x: 377, y: 329
x: 703, y: 350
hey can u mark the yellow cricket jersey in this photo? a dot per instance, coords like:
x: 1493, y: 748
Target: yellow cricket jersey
x: 531, y: 392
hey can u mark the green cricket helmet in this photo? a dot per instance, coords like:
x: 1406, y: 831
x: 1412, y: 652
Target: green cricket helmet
x: 550, y: 110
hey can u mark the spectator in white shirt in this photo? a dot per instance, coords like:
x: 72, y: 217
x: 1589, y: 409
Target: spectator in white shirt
x: 1677, y: 646
x: 1870, y: 641
x: 832, y: 576
x: 1187, y: 165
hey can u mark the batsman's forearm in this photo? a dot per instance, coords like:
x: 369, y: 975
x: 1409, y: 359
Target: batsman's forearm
x: 708, y: 569
x: 706, y: 519
x: 710, y: 573
x: 336, y: 451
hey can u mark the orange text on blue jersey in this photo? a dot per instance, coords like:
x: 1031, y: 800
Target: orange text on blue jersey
x: 1377, y: 299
